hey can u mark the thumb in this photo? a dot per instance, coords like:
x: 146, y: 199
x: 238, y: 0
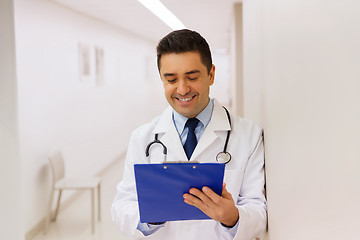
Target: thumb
x: 225, y: 192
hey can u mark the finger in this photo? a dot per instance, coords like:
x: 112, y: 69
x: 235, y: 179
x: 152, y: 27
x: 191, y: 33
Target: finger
x: 189, y: 199
x: 212, y: 195
x: 196, y: 202
x: 225, y: 193
x: 195, y: 195
x: 201, y: 195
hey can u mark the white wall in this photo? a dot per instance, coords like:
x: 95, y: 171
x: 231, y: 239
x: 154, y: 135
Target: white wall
x: 302, y: 83
x: 221, y: 87
x: 10, y: 184
x: 89, y: 123
x: 236, y: 61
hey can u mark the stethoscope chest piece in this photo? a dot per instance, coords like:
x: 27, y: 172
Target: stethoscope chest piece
x: 223, y: 157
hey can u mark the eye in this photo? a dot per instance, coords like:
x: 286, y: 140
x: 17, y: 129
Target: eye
x: 171, y: 80
x: 192, y: 78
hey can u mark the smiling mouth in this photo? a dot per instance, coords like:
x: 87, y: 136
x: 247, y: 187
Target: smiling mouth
x: 185, y: 99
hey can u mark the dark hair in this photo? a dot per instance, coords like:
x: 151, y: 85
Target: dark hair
x: 185, y: 40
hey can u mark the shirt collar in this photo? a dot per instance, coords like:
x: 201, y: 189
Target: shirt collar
x: 204, y: 117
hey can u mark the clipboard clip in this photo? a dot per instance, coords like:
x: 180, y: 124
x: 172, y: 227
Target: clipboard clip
x: 170, y: 162
x: 173, y: 162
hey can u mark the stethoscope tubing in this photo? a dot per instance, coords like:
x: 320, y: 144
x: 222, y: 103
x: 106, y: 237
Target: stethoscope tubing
x: 147, y: 151
x: 221, y: 157
x: 228, y: 133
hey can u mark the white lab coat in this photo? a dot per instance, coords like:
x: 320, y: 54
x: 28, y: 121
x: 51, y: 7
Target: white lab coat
x: 244, y: 176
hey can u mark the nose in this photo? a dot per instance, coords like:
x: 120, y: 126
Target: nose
x: 183, y: 87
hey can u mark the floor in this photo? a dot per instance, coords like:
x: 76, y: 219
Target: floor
x: 74, y: 221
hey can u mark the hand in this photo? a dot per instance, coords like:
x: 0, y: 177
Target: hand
x: 220, y: 208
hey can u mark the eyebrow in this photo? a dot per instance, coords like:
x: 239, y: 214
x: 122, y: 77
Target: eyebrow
x: 169, y: 74
x: 192, y: 72
x: 187, y: 73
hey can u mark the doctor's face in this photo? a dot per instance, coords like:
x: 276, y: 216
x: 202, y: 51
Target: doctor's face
x: 186, y: 82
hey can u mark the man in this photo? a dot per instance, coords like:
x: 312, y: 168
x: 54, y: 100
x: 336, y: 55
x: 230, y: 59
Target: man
x: 187, y: 72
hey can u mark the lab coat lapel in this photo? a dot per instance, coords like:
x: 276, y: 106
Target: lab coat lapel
x: 170, y: 137
x: 218, y: 125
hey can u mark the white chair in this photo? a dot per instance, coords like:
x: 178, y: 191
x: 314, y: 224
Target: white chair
x: 61, y: 183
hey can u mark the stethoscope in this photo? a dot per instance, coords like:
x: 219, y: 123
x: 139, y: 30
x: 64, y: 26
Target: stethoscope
x: 221, y: 157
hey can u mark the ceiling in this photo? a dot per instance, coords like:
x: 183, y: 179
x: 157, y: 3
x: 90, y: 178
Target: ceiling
x: 211, y: 18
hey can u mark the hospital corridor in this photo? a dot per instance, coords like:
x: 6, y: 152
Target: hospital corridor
x: 264, y: 91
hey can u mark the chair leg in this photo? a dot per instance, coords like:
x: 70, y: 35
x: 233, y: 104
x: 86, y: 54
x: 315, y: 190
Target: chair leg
x: 48, y: 215
x: 92, y: 211
x: 99, y: 204
x: 57, y: 206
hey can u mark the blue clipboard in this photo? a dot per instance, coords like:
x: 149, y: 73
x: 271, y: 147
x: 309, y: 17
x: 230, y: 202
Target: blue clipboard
x: 160, y: 189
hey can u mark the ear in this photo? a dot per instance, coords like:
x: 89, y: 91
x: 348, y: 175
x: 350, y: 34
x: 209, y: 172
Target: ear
x: 212, y: 75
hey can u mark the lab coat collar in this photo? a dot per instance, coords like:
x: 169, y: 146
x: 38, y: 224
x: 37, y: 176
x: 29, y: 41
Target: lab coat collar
x: 165, y: 122
x: 219, y: 120
x: 218, y: 124
x: 169, y: 136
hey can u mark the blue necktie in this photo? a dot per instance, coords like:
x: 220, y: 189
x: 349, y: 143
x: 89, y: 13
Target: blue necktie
x: 191, y: 140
